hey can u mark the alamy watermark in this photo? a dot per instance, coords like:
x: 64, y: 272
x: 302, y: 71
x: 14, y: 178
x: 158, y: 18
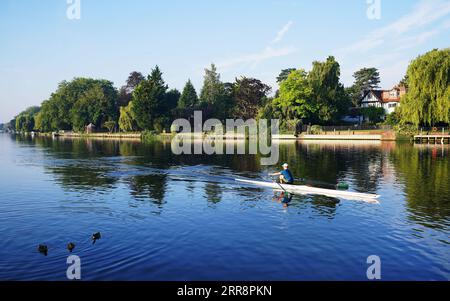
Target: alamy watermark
x: 374, y: 270
x: 374, y: 9
x: 73, y: 11
x: 74, y: 270
x: 191, y: 140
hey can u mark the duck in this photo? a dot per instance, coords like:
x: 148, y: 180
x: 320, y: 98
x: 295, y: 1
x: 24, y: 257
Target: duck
x: 96, y: 236
x: 43, y: 249
x: 70, y: 246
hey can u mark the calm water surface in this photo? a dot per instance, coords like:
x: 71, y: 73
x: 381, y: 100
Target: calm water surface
x: 167, y: 217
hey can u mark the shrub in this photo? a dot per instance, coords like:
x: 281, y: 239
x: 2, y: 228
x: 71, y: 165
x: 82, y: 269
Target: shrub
x: 405, y: 129
x: 374, y: 114
x: 159, y: 124
x: 110, y: 125
x: 316, y: 130
x: 173, y: 128
x: 149, y: 136
x: 392, y: 119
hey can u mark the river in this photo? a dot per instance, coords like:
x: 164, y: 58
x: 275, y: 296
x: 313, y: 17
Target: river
x: 183, y: 217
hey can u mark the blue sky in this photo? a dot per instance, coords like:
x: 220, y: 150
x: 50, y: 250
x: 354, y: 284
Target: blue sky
x: 40, y: 46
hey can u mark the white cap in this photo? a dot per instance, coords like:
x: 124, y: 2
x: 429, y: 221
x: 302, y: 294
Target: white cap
x: 285, y: 165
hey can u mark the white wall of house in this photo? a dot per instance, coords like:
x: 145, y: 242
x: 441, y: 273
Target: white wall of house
x: 372, y: 101
x: 389, y: 107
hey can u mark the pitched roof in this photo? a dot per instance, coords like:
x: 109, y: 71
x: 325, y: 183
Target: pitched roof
x: 381, y: 95
x: 377, y: 93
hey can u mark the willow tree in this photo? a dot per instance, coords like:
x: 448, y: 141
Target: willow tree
x: 428, y: 99
x: 328, y: 92
x: 127, y: 122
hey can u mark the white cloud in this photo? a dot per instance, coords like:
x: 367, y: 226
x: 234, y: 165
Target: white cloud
x: 256, y: 58
x: 418, y: 39
x: 425, y: 13
x: 385, y: 48
x: 282, y: 32
x: 267, y: 53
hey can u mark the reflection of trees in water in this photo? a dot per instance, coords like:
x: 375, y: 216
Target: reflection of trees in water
x: 159, y: 155
x: 213, y: 193
x: 79, y: 148
x: 366, y: 168
x: 320, y: 205
x: 85, y: 164
x: 325, y: 206
x: 426, y: 173
x: 83, y: 176
x: 75, y: 162
x: 330, y: 163
x: 149, y: 187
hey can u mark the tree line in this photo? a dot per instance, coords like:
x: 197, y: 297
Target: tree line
x: 304, y: 97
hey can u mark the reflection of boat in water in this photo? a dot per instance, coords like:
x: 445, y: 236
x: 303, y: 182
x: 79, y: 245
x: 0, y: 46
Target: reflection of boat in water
x: 306, y: 190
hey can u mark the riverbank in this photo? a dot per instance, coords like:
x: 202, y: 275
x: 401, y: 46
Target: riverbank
x: 367, y: 135
x: 101, y: 135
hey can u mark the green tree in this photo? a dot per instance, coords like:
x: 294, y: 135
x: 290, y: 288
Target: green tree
x: 329, y: 94
x: 127, y: 122
x: 249, y: 95
x: 46, y: 120
x: 427, y: 101
x: 148, y: 100
x: 392, y: 119
x: 110, y: 125
x: 373, y: 114
x: 25, y: 121
x: 267, y: 110
x: 172, y: 99
x: 126, y: 91
x: 189, y: 98
x: 295, y: 98
x: 95, y: 102
x: 212, y: 89
x: 284, y: 74
x: 365, y: 79
x: 77, y: 103
x: 215, y: 97
x: 12, y: 124
x: 404, y: 81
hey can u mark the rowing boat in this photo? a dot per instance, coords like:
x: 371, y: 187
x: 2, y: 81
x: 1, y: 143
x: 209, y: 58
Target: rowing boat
x: 306, y: 190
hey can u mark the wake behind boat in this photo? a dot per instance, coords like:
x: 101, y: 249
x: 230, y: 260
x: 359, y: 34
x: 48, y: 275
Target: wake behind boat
x: 306, y: 190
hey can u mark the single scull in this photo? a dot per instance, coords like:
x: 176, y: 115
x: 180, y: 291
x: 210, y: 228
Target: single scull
x: 306, y: 190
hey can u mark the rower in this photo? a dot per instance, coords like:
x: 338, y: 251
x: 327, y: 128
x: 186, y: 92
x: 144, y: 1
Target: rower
x: 285, y: 175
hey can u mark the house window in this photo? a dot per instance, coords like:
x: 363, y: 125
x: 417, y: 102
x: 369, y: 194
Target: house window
x: 393, y: 94
x: 392, y: 105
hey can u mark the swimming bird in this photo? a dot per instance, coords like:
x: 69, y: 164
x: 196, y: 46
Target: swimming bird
x: 96, y: 236
x: 70, y: 246
x: 43, y: 249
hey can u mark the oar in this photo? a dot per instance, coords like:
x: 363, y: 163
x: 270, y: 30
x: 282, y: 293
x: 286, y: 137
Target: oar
x: 279, y: 185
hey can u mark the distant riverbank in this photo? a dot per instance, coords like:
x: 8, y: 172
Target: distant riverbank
x: 383, y: 135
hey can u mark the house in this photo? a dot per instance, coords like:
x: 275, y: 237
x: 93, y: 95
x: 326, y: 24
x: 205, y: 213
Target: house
x: 387, y: 99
